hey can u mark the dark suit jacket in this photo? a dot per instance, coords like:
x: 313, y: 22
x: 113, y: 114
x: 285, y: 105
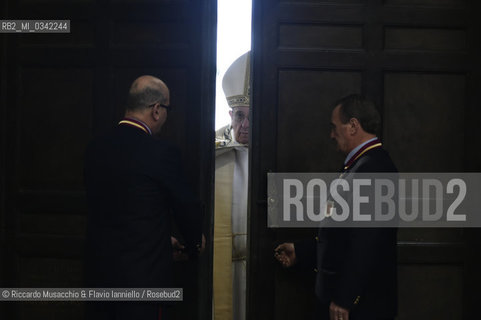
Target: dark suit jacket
x: 134, y: 188
x: 356, y: 267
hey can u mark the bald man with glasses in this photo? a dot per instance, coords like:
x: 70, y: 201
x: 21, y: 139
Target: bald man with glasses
x: 135, y: 188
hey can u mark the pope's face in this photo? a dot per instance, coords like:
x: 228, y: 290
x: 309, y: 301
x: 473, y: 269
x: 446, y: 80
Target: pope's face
x: 240, y: 124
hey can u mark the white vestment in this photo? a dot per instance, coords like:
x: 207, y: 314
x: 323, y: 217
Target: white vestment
x: 230, y: 232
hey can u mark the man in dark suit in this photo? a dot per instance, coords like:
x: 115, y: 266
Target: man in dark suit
x: 135, y: 187
x: 356, y: 276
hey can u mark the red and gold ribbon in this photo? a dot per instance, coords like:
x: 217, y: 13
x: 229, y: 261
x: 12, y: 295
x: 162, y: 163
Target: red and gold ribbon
x: 136, y: 124
x: 368, y: 146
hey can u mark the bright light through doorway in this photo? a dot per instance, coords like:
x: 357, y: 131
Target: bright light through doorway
x: 233, y: 39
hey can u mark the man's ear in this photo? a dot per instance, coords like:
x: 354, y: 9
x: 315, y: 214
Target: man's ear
x: 354, y: 125
x: 155, y: 112
x: 230, y: 113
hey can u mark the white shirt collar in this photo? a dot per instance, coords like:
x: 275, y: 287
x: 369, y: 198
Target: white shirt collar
x: 356, y: 149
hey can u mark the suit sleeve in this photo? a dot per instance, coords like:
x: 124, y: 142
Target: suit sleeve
x: 187, y: 209
x: 368, y: 252
x: 363, y: 260
x: 306, y: 254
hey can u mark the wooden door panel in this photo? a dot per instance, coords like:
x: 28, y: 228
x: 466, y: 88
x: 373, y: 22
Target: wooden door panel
x: 431, y: 3
x: 425, y: 112
x: 318, y: 36
x: 425, y: 39
x: 53, y: 126
x: 304, y: 112
x: 60, y: 90
x: 429, y: 289
x: 417, y: 60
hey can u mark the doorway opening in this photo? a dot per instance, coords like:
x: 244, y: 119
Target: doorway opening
x: 233, y: 39
x: 231, y: 159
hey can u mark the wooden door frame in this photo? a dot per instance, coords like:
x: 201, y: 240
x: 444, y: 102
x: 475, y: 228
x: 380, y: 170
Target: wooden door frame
x: 261, y: 290
x: 205, y: 140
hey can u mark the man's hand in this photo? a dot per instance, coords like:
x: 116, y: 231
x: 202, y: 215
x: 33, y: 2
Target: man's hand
x: 201, y: 249
x: 286, y: 254
x: 178, y: 253
x: 337, y: 313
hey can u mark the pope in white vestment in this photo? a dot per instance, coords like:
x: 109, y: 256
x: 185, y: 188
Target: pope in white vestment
x: 231, y: 182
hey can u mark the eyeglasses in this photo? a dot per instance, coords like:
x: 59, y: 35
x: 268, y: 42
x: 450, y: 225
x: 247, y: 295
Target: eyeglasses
x: 168, y: 108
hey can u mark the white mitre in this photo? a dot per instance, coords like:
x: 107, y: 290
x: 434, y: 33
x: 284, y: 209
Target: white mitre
x: 236, y: 82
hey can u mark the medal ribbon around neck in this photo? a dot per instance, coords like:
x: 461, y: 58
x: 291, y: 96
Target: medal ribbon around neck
x: 136, y: 124
x: 368, y: 146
